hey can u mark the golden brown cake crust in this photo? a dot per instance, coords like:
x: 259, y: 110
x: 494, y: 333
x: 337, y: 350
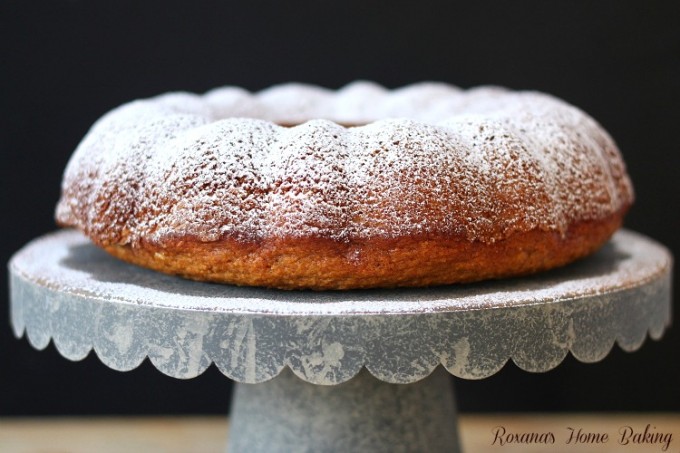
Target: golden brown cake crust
x: 454, y: 186
x: 323, y: 264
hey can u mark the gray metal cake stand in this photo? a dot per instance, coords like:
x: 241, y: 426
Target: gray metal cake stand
x: 325, y: 364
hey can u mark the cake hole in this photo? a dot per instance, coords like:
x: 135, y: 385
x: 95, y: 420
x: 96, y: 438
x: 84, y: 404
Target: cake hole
x: 295, y: 124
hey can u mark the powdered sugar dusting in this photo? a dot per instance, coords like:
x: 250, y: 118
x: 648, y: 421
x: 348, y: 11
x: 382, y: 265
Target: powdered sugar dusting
x: 430, y: 158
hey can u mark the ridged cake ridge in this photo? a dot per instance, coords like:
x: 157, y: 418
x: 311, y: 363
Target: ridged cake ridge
x: 357, y: 163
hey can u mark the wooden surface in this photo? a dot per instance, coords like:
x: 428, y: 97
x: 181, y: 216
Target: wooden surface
x: 209, y: 434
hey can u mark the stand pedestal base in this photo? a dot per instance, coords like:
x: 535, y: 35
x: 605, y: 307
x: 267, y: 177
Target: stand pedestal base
x: 364, y: 414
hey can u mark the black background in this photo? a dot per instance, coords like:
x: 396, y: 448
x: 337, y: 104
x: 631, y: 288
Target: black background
x: 64, y: 63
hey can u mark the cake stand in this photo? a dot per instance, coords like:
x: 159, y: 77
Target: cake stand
x: 325, y: 364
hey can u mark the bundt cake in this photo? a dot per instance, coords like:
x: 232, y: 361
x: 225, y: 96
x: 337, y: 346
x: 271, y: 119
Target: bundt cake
x: 300, y: 187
